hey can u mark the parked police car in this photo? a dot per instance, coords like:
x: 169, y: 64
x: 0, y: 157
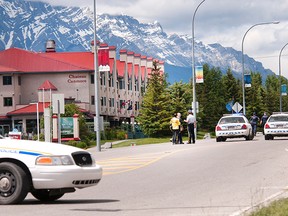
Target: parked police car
x: 276, y: 126
x: 233, y: 126
x: 47, y: 170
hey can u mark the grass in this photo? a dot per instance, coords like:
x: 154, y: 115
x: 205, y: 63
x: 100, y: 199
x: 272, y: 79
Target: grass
x: 276, y: 208
x: 147, y: 141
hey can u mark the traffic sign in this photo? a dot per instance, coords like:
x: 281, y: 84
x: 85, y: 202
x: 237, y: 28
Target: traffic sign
x: 237, y: 107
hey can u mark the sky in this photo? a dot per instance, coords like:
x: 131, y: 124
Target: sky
x: 216, y: 21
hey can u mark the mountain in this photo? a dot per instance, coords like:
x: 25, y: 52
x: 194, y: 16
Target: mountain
x: 29, y: 24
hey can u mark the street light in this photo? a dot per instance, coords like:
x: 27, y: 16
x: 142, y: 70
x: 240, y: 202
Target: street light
x: 193, y: 65
x: 97, y: 112
x: 280, y: 76
x: 243, y: 83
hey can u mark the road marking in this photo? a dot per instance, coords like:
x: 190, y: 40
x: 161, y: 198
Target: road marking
x: 130, y: 163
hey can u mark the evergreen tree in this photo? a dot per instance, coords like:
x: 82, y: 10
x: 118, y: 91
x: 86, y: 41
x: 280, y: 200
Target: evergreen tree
x: 181, y: 97
x: 155, y: 113
x: 271, y: 98
x: 232, y: 88
x: 253, y: 95
x: 210, y: 98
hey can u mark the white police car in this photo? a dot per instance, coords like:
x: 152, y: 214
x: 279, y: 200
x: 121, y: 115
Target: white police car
x: 276, y: 126
x: 47, y: 170
x: 233, y: 126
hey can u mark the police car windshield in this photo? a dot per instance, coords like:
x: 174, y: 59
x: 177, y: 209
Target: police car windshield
x: 229, y: 120
x: 278, y: 119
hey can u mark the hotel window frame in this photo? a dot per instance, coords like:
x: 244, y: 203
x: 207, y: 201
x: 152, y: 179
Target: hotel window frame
x: 7, y: 80
x: 7, y: 101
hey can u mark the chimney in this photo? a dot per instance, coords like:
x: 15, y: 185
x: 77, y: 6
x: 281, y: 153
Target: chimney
x: 50, y: 46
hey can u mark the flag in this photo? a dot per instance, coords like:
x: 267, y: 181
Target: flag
x: 130, y: 107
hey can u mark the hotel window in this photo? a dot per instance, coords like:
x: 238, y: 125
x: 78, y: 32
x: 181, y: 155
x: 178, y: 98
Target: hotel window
x: 121, y: 83
x: 7, y: 101
x: 111, y: 102
x: 111, y: 81
x: 92, y: 78
x: 103, y: 101
x: 7, y: 80
x: 92, y: 100
x: 130, y: 84
x: 102, y: 79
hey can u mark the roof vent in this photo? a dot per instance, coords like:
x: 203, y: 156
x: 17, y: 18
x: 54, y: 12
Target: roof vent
x: 50, y: 46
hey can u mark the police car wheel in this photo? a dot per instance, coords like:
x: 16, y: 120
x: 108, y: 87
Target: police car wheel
x: 45, y: 195
x: 14, y: 184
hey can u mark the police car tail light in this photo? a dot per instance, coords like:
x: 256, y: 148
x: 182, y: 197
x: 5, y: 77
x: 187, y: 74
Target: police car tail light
x: 54, y: 160
x: 244, y: 126
x: 267, y: 126
x: 218, y: 128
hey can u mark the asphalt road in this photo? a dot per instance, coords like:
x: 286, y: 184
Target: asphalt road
x: 209, y: 178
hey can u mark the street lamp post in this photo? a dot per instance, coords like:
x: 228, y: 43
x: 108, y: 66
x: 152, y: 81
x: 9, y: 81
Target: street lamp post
x: 280, y: 76
x: 96, y: 99
x: 243, y: 83
x: 193, y: 65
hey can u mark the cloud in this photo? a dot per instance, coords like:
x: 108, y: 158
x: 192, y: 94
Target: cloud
x: 221, y: 21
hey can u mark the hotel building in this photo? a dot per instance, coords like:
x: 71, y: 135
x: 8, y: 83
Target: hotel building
x: 30, y: 78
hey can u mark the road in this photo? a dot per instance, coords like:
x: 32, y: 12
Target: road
x: 209, y: 178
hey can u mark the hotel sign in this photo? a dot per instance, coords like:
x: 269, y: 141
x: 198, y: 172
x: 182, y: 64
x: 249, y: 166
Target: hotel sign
x: 72, y: 78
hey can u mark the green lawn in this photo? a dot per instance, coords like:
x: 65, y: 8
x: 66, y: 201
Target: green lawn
x: 146, y: 141
x: 276, y: 208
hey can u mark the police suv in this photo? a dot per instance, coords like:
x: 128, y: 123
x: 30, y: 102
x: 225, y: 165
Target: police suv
x: 46, y: 170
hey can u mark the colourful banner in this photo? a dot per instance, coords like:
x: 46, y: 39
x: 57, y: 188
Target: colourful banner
x: 199, y: 74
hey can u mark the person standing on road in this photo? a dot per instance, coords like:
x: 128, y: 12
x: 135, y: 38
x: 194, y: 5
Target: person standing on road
x: 191, y: 122
x: 175, y: 125
x: 263, y: 121
x: 180, y: 140
x: 254, y: 121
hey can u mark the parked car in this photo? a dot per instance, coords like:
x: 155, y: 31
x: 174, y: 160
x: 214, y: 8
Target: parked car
x: 46, y: 170
x: 233, y: 126
x: 276, y: 126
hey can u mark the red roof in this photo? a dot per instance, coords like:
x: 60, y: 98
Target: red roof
x: 129, y: 65
x: 47, y: 85
x: 15, y: 59
x: 3, y: 118
x: 136, y: 71
x: 111, y: 64
x: 143, y: 72
x: 6, y: 69
x: 81, y: 60
x: 27, y: 61
x: 120, y: 68
x: 30, y: 109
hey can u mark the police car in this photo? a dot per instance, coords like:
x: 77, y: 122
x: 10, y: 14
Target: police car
x: 276, y: 126
x: 46, y: 170
x: 233, y: 126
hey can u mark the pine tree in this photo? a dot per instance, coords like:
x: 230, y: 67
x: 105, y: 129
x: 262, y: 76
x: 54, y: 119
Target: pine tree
x: 155, y: 112
x: 210, y: 98
x: 232, y: 87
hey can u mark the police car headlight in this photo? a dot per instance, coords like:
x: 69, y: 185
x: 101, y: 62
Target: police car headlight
x: 54, y: 160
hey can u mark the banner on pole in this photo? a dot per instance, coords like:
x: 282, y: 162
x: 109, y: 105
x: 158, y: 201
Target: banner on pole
x: 199, y: 74
x: 283, y: 89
